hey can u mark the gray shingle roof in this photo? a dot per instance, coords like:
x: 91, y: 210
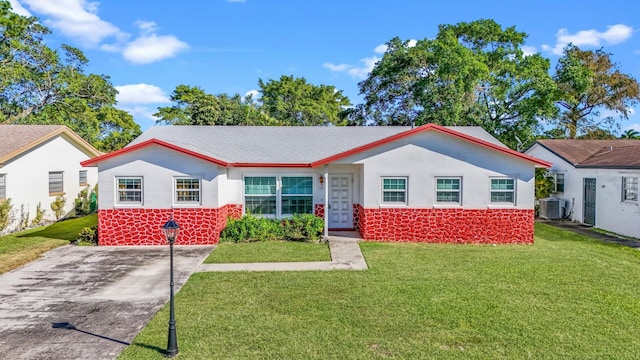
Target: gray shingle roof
x: 280, y: 144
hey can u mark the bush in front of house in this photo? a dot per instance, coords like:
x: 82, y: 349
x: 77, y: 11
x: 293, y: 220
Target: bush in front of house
x: 88, y: 236
x: 250, y: 228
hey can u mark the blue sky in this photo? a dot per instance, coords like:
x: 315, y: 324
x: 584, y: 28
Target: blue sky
x: 224, y: 46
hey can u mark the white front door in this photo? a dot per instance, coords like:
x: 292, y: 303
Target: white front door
x: 340, y: 206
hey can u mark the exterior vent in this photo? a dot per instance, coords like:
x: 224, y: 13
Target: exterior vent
x: 551, y: 208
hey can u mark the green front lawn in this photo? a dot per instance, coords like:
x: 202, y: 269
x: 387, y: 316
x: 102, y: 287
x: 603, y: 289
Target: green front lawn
x: 269, y: 251
x: 566, y: 297
x: 24, y: 247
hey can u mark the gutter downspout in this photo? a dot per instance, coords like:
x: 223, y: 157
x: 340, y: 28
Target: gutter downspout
x: 325, y: 175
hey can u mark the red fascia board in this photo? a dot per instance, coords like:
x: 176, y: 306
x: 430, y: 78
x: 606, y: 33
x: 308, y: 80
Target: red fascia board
x: 149, y: 142
x: 429, y: 127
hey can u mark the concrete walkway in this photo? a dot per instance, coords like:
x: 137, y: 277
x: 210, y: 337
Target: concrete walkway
x: 588, y: 231
x: 345, y: 255
x: 87, y: 302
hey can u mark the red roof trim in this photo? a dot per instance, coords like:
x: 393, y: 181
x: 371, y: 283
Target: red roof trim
x: 429, y: 127
x: 144, y: 144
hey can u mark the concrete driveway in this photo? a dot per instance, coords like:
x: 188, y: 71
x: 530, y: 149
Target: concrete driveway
x: 87, y: 302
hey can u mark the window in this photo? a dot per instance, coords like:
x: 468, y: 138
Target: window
x: 448, y: 190
x: 629, y: 188
x: 187, y: 190
x: 260, y: 195
x: 82, y: 175
x: 129, y: 190
x: 297, y: 195
x: 394, y: 190
x: 56, y: 186
x: 503, y: 191
x: 558, y: 182
x: 3, y: 186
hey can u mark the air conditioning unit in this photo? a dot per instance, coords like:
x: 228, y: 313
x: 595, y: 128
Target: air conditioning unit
x: 551, y: 208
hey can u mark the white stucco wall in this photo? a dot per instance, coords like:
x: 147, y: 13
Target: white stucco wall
x: 612, y: 213
x: 27, y: 177
x: 158, y: 167
x: 425, y: 156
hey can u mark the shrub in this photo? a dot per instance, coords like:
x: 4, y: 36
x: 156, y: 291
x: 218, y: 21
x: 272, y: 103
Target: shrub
x: 58, y: 206
x: 37, y: 219
x: 88, y: 236
x: 303, y: 227
x: 81, y: 203
x: 5, y: 213
x: 251, y: 228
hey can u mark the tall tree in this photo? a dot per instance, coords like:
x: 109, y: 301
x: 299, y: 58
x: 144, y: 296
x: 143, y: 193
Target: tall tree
x: 294, y: 101
x: 193, y: 106
x: 38, y: 86
x: 469, y: 74
x: 630, y: 134
x: 589, y: 82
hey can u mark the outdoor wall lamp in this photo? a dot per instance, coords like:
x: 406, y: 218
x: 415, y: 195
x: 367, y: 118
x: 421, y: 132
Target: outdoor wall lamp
x: 321, y: 179
x: 171, y: 229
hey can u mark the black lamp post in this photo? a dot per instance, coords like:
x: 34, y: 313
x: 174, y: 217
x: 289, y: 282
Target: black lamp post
x: 171, y: 229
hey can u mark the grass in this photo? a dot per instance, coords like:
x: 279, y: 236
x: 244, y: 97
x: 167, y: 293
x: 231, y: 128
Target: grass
x: 269, y: 251
x: 24, y: 247
x: 567, y: 297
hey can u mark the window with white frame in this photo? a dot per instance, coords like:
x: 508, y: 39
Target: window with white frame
x: 3, y: 186
x: 629, y: 188
x: 260, y: 195
x: 297, y: 195
x: 394, y: 190
x: 187, y: 190
x: 558, y: 182
x: 448, y: 190
x: 82, y: 178
x: 56, y: 185
x: 503, y: 191
x: 129, y: 190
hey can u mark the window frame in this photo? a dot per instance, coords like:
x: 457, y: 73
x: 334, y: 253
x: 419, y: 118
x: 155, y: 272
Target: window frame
x: 458, y: 191
x: 86, y: 177
x: 629, y: 186
x: 118, y: 200
x: 555, y: 182
x: 491, y: 190
x: 176, y: 200
x: 283, y: 195
x: 61, y: 186
x: 278, y: 195
x: 405, y: 191
x: 3, y: 187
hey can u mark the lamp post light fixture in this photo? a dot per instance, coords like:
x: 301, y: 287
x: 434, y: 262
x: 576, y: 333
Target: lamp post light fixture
x: 171, y: 229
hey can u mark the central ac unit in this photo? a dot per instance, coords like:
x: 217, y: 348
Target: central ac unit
x: 551, y: 208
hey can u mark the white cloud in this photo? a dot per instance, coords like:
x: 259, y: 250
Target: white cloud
x: 254, y: 94
x: 18, y: 8
x: 411, y: 43
x: 149, y: 47
x: 336, y: 67
x: 635, y: 127
x: 360, y: 72
x: 77, y: 19
x: 141, y: 94
x: 381, y: 49
x: 528, y: 50
x: 613, y: 35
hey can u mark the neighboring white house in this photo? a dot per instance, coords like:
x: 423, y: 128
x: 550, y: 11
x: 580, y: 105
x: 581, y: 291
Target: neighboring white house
x: 597, y: 179
x: 428, y: 184
x: 38, y: 163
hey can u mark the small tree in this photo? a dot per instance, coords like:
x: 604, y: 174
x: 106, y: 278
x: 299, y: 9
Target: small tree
x: 544, y: 184
x: 37, y: 219
x: 5, y: 213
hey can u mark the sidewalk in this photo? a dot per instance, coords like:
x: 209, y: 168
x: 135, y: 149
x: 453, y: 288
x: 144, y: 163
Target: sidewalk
x: 345, y: 255
x: 590, y: 232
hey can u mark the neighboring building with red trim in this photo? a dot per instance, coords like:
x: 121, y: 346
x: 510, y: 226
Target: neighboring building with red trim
x: 425, y: 184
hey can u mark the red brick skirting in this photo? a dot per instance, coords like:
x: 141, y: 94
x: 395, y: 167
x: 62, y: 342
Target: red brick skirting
x: 143, y: 226
x: 477, y: 226
x: 318, y: 210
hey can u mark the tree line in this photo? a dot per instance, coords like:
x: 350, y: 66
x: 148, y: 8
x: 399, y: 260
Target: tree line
x: 471, y: 73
